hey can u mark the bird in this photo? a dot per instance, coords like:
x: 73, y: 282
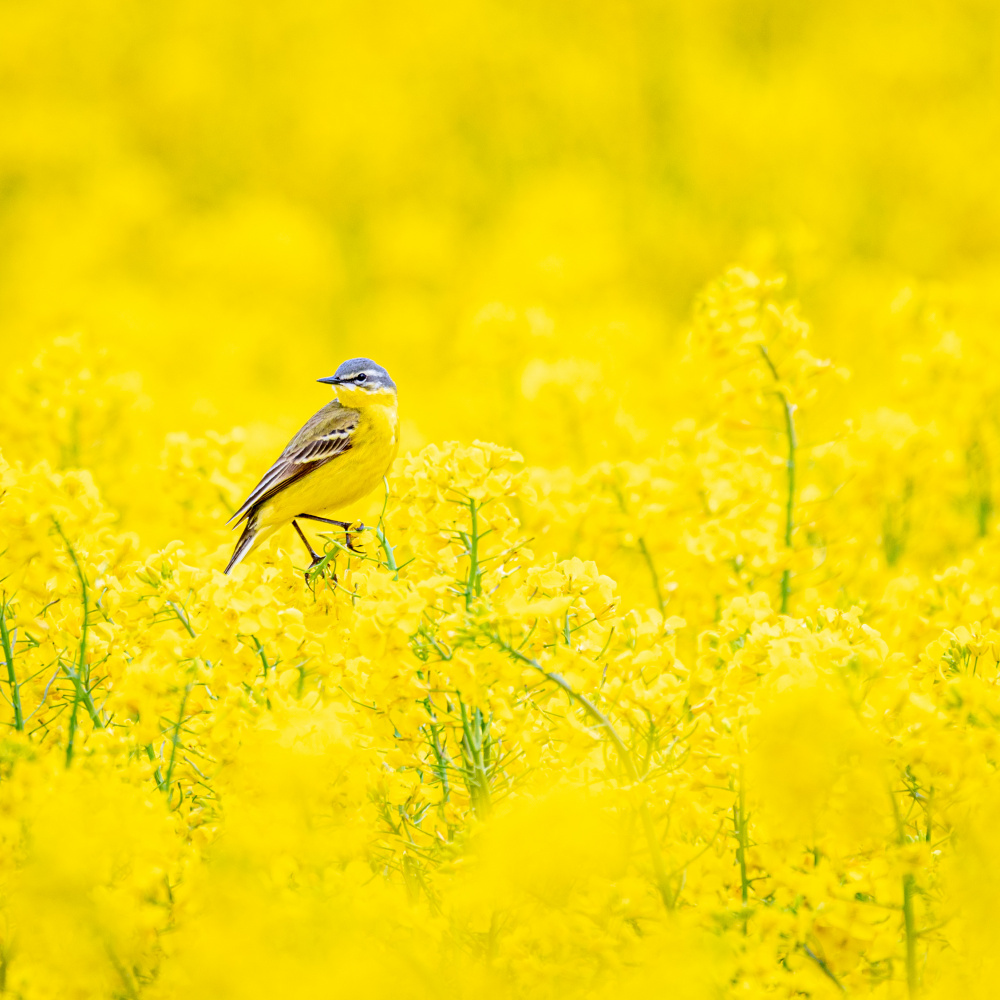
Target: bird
x: 339, y: 456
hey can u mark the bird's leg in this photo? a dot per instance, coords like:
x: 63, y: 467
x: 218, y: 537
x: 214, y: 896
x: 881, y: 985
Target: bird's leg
x: 345, y: 525
x: 316, y: 559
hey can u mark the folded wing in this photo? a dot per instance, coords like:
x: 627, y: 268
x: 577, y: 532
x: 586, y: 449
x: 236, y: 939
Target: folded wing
x: 324, y: 436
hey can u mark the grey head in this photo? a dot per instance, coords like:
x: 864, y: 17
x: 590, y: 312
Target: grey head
x: 361, y: 373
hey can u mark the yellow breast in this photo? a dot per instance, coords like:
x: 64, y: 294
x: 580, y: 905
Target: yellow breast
x: 345, y: 479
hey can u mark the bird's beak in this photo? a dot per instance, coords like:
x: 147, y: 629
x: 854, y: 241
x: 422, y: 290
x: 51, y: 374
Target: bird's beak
x: 330, y: 380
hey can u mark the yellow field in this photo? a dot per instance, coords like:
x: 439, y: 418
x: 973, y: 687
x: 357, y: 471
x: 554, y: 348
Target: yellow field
x: 671, y: 667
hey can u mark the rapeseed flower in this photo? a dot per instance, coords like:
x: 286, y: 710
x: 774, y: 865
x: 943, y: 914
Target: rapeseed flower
x: 669, y: 665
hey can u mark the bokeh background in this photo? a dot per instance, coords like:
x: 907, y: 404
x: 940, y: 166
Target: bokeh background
x: 696, y: 696
x: 232, y: 198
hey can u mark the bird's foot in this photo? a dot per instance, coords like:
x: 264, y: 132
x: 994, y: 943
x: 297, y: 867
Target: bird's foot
x: 357, y: 528
x: 311, y: 572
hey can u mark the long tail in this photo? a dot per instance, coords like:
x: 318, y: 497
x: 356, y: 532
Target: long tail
x: 246, y: 542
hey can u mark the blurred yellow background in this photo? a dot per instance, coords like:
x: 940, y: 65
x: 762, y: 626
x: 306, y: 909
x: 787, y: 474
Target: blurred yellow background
x: 698, y: 698
x: 232, y: 198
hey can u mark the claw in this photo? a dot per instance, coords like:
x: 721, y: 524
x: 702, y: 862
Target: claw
x: 357, y: 528
x: 307, y: 574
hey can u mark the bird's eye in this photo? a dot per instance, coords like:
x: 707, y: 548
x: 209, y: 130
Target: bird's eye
x: 360, y: 378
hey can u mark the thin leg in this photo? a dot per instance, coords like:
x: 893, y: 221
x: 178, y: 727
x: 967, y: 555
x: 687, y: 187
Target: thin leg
x: 344, y: 525
x: 326, y: 520
x: 316, y: 559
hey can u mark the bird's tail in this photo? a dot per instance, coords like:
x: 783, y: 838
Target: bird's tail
x: 246, y: 542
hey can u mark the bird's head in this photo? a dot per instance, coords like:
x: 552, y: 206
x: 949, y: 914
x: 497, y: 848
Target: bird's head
x: 361, y: 382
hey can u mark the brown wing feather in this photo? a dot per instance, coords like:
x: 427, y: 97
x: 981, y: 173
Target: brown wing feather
x: 323, y: 437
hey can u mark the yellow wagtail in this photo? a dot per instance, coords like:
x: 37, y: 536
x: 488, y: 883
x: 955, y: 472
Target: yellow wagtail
x: 341, y: 454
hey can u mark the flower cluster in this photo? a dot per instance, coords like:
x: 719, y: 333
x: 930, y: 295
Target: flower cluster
x: 688, y: 719
x: 668, y: 664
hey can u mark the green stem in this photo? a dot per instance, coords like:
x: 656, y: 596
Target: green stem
x: 176, y: 740
x: 85, y: 596
x: 442, y: 763
x: 644, y: 549
x: 81, y: 696
x: 740, y: 829
x: 390, y: 555
x: 824, y: 968
x: 81, y: 675
x: 260, y: 653
x: 790, y: 466
x: 8, y: 652
x: 910, y: 926
x: 71, y: 736
x: 182, y: 618
x: 649, y: 828
x: 439, y: 753
x: 473, y: 584
x: 472, y: 750
x: 909, y: 917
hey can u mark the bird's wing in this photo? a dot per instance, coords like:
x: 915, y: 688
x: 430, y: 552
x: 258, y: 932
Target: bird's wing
x: 323, y: 437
